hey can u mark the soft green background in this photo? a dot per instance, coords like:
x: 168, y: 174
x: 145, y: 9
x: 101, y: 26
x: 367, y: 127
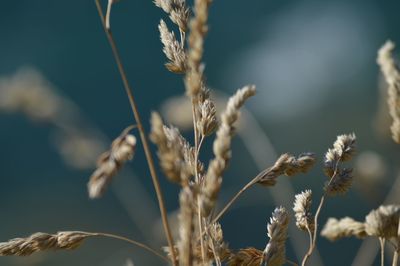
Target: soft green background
x: 312, y: 61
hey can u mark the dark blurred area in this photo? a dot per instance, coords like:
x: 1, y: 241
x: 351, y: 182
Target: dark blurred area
x: 314, y: 65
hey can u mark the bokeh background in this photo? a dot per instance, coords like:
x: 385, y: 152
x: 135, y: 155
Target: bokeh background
x: 62, y: 100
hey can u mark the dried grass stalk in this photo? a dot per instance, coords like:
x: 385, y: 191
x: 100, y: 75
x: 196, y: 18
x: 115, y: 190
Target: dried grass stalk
x: 383, y: 222
x: 172, y: 49
x: 198, y: 30
x: 392, y: 76
x: 43, y: 242
x: 186, y: 227
x: 302, y: 211
x: 221, y: 148
x: 110, y: 162
x: 346, y: 227
x: 275, y: 251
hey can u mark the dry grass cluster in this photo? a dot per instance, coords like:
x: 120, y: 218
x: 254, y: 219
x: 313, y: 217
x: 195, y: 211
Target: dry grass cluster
x: 200, y: 240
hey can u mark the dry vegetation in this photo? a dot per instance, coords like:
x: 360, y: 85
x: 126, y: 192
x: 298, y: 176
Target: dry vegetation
x: 200, y: 240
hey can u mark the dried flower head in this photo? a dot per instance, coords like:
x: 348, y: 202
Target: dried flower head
x: 288, y: 165
x: 207, y: 120
x: 246, y: 256
x: 340, y: 183
x: 392, y: 76
x: 343, y: 150
x: 383, y: 222
x: 177, y: 10
x: 172, y: 49
x: 302, y: 211
x: 175, y: 154
x: 110, y: 162
x: 221, y: 148
x: 346, y: 227
x: 43, y: 242
x: 275, y: 251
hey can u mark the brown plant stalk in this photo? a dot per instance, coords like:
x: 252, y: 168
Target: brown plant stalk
x: 142, y: 133
x: 66, y: 240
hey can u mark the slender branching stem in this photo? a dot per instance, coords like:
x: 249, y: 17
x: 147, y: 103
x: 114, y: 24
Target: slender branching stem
x: 313, y: 239
x: 133, y: 242
x: 382, y: 244
x: 321, y: 203
x: 142, y: 134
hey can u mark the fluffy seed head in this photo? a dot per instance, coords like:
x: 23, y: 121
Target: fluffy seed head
x: 247, y: 256
x: 288, y: 165
x: 346, y: 227
x: 340, y: 183
x: 110, y: 162
x: 302, y: 211
x: 172, y: 49
x: 275, y: 251
x: 383, y: 222
x: 343, y: 150
x: 391, y: 73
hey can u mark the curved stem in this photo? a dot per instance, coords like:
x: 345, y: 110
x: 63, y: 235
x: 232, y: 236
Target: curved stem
x: 133, y: 242
x: 314, y: 236
x: 142, y: 134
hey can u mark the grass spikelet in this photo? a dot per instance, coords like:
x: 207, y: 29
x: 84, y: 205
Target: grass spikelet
x: 340, y: 179
x: 198, y: 30
x: 176, y: 156
x: 275, y: 251
x: 43, y: 242
x: 172, y: 49
x: 109, y: 163
x: 246, y: 256
x: 177, y: 10
x: 383, y: 222
x: 392, y: 76
x: 346, y: 227
x: 302, y: 211
x: 288, y: 165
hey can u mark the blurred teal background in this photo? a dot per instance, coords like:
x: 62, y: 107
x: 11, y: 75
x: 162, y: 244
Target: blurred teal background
x: 314, y: 66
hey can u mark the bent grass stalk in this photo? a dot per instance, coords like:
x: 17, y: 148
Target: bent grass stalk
x: 142, y: 133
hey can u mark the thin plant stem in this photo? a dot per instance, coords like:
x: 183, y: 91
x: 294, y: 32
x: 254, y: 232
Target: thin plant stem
x: 382, y: 244
x: 234, y: 198
x: 321, y: 203
x: 314, y: 236
x: 197, y: 179
x: 133, y: 242
x: 395, y: 258
x: 142, y: 134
